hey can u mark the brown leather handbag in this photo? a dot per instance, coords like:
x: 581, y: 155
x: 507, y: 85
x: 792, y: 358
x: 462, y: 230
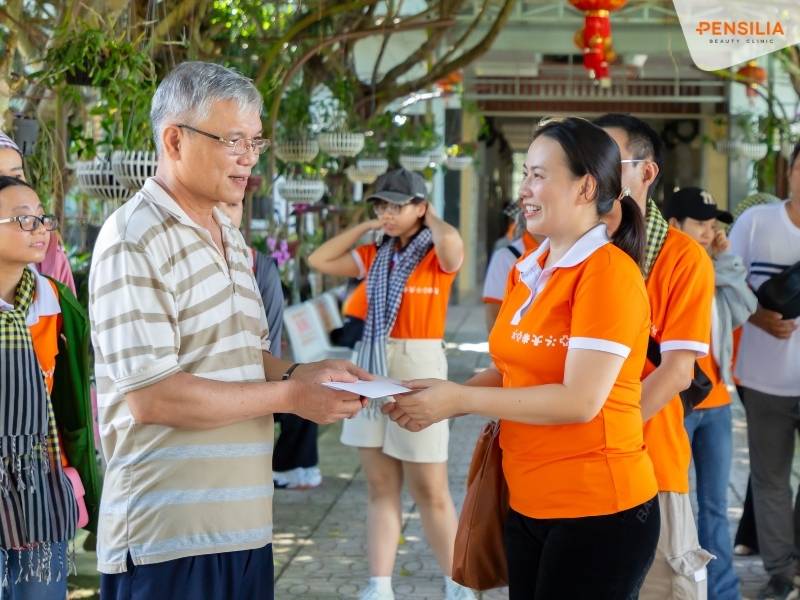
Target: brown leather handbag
x: 479, y: 560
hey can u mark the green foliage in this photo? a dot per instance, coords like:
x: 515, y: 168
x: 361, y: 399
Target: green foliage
x: 295, y: 115
x: 123, y: 80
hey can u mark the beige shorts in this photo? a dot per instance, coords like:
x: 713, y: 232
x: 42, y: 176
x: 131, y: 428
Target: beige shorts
x: 679, y: 568
x: 406, y: 359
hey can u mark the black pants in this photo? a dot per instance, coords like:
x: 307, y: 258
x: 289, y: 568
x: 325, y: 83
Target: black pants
x: 597, y: 558
x: 296, y: 445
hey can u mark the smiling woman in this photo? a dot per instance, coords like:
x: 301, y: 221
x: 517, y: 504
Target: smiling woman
x: 25, y: 230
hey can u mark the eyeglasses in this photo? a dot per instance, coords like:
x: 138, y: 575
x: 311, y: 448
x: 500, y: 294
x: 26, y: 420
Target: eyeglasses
x: 238, y: 147
x: 382, y: 207
x: 633, y: 161
x: 32, y: 222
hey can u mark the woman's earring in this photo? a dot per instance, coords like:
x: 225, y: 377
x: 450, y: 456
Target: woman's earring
x: 625, y: 192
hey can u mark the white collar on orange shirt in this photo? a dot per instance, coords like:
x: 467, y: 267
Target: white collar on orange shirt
x: 535, y: 278
x: 45, y: 303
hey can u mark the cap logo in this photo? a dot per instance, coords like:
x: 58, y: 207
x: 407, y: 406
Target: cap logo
x: 707, y: 198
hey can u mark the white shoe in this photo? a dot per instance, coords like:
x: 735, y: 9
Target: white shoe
x: 372, y: 592
x: 456, y: 591
x: 291, y: 479
x: 312, y: 477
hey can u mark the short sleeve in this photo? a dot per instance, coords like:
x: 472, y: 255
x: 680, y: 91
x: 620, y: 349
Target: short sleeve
x: 609, y: 308
x: 133, y: 317
x: 364, y: 255
x: 500, y: 265
x: 687, y: 324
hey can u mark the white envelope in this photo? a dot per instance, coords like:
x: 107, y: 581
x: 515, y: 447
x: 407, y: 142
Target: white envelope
x: 369, y: 389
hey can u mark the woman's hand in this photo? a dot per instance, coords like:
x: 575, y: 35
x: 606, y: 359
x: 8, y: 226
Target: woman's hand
x: 431, y: 401
x: 720, y: 244
x: 372, y: 225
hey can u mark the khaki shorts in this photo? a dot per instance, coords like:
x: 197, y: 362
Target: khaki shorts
x: 679, y: 568
x: 406, y: 359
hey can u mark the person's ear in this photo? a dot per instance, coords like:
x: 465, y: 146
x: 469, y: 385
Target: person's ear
x: 649, y: 173
x: 422, y: 209
x: 675, y: 223
x: 171, y: 138
x: 588, y: 190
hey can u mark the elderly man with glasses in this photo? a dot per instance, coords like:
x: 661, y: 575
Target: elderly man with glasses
x: 187, y: 386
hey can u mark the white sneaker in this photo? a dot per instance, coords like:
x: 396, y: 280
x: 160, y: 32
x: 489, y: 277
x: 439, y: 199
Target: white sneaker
x: 456, y: 591
x: 312, y: 477
x: 291, y: 479
x: 372, y: 592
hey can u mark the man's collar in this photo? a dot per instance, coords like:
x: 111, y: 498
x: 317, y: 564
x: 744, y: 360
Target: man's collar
x: 162, y: 198
x: 582, y: 249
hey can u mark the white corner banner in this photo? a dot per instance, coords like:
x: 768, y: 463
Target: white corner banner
x: 723, y: 33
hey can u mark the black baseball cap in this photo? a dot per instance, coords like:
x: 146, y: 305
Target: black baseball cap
x: 399, y: 186
x: 694, y: 203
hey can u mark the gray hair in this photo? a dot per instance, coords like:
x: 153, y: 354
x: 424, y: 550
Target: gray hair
x: 188, y: 91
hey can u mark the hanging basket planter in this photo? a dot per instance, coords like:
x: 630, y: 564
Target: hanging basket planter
x: 415, y: 162
x: 300, y: 151
x: 356, y: 175
x: 376, y: 166
x: 96, y: 178
x: 437, y: 157
x: 458, y: 163
x: 133, y: 167
x: 786, y: 149
x: 751, y: 150
x: 305, y: 191
x: 341, y: 143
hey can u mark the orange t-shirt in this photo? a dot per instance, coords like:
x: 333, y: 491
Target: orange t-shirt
x: 583, y: 469
x: 681, y: 289
x: 356, y: 303
x: 44, y: 334
x: 423, y: 308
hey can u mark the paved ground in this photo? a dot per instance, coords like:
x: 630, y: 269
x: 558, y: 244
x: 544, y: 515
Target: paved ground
x: 319, y: 540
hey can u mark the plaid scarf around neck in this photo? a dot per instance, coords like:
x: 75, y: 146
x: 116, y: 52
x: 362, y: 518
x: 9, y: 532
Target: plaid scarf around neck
x: 656, y: 228
x: 385, y: 285
x: 36, y: 499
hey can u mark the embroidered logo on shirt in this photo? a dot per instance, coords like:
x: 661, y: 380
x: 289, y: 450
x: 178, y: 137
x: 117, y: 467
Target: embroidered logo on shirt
x: 428, y: 291
x: 548, y: 341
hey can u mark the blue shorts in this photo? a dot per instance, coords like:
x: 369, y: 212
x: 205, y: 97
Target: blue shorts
x: 243, y: 575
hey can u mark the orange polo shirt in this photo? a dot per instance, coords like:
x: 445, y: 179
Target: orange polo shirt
x: 356, y: 303
x: 423, y: 308
x: 44, y: 334
x: 681, y: 288
x: 593, y: 298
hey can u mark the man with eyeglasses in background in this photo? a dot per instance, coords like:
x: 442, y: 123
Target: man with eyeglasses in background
x: 187, y: 386
x: 679, y: 278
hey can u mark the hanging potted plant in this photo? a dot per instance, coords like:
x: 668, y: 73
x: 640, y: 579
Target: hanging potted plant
x: 293, y: 142
x: 338, y: 121
x: 418, y: 141
x: 460, y: 156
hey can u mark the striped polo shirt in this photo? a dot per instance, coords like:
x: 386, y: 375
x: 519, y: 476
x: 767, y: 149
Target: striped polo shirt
x: 164, y: 300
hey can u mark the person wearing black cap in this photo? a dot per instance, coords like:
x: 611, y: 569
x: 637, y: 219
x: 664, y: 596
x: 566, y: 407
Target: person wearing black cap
x: 709, y: 426
x: 409, y: 275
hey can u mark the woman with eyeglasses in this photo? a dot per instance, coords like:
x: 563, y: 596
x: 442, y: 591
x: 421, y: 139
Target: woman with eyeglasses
x: 55, y: 263
x: 409, y: 275
x: 49, y: 483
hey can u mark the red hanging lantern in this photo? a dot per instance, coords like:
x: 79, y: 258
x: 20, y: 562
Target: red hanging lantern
x: 595, y: 37
x: 752, y: 76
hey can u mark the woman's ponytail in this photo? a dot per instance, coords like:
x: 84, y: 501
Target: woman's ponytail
x: 630, y: 236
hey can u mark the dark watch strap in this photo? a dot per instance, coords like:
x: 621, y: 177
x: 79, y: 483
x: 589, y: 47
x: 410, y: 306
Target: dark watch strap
x: 289, y: 372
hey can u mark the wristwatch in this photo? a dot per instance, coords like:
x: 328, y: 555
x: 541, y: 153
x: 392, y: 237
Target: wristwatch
x: 289, y: 372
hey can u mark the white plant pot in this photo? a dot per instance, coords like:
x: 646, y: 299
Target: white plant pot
x: 96, y: 178
x: 133, y: 167
x: 341, y: 143
x: 356, y: 175
x: 306, y: 191
x: 415, y: 162
x: 437, y: 157
x: 300, y: 151
x: 458, y: 163
x: 377, y: 166
x: 751, y: 150
x: 786, y: 149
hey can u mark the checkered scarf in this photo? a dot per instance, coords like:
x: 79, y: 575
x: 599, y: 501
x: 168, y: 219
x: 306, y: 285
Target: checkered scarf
x: 385, y: 285
x: 36, y: 499
x: 656, y: 232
